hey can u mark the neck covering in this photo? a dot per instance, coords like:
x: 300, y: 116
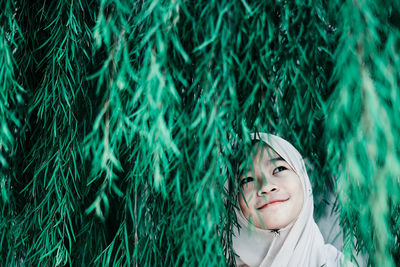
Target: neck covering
x: 298, y: 244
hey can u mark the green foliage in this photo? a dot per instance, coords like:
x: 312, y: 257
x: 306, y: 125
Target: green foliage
x: 118, y: 119
x: 363, y: 122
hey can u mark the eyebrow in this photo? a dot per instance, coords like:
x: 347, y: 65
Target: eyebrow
x: 270, y: 161
x: 276, y: 159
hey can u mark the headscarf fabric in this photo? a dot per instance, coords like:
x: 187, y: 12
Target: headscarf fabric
x: 299, y: 244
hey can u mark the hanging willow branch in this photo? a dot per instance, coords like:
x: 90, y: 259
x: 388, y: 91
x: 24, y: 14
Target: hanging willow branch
x: 121, y: 122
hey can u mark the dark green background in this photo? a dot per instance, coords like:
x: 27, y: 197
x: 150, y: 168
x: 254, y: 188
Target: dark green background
x: 117, y: 120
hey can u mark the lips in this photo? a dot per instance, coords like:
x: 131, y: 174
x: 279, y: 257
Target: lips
x: 271, y: 202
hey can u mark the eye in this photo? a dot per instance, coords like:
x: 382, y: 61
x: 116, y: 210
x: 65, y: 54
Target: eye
x: 279, y: 169
x: 246, y: 180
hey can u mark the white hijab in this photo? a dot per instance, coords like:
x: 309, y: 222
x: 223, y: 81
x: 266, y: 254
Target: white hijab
x: 299, y: 244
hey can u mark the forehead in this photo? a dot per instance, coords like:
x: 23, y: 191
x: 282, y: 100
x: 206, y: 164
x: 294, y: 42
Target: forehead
x: 263, y: 152
x: 260, y: 155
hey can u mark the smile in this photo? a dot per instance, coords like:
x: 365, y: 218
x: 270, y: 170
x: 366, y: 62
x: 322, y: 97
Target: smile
x: 272, y: 203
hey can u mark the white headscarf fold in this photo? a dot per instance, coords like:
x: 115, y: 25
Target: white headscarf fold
x: 300, y: 243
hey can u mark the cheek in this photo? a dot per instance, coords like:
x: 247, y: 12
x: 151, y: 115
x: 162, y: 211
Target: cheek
x: 299, y: 202
x: 245, y: 207
x: 295, y: 187
x: 298, y: 194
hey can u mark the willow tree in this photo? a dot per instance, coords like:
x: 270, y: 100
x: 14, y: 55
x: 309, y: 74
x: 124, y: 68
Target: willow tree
x: 118, y: 121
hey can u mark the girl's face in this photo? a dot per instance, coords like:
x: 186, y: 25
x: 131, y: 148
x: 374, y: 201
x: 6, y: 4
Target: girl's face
x: 272, y: 192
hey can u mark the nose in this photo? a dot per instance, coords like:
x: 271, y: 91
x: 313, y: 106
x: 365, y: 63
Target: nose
x: 266, y: 187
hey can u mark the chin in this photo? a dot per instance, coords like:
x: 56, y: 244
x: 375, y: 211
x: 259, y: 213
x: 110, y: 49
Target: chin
x: 273, y: 226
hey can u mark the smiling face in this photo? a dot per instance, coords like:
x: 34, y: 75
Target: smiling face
x: 272, y: 192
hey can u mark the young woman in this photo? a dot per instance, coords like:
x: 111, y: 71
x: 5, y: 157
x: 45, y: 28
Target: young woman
x: 276, y: 221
